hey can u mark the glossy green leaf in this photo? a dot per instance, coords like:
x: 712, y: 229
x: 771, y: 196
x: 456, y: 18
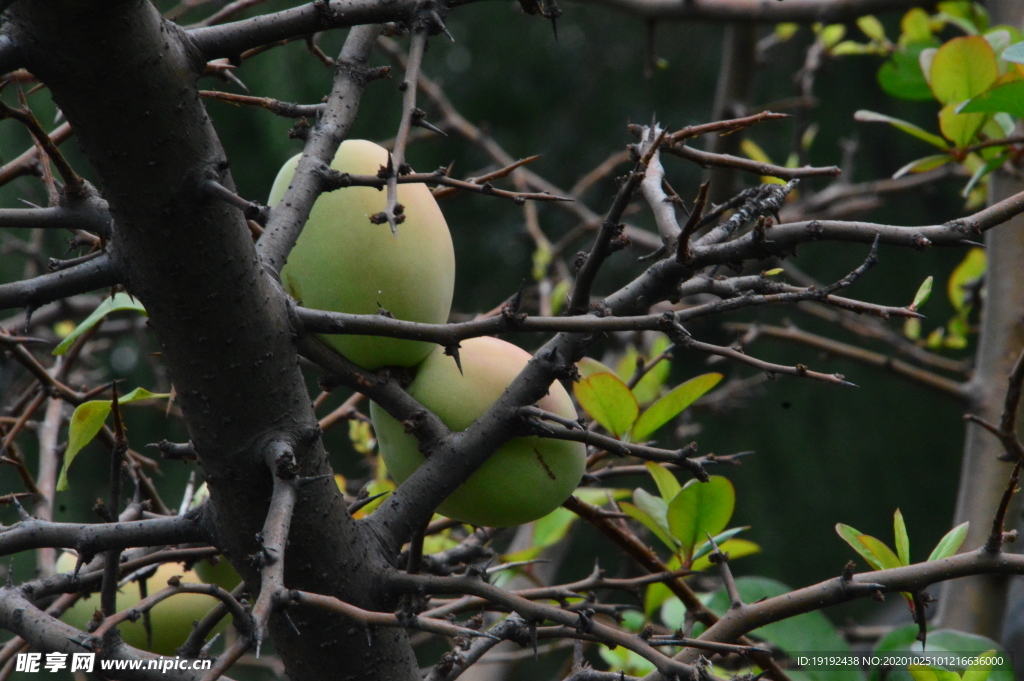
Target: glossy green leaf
x: 1007, y: 97
x: 950, y: 542
x: 970, y: 269
x: 960, y: 129
x: 924, y: 164
x: 872, y: 27
x: 87, y: 420
x: 736, y: 548
x: 608, y: 401
x: 924, y: 291
x: 901, y: 76
x: 899, y: 530
x: 649, y: 387
x: 667, y: 484
x: 852, y: 537
x: 962, y: 68
x: 659, y: 529
x: 117, y: 303
x: 865, y: 116
x: 672, y: 404
x: 1014, y: 53
x: 700, y: 508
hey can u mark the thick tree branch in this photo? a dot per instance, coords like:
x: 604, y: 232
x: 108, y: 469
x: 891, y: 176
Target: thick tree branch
x: 290, y: 214
x: 91, y: 539
x: 757, y: 11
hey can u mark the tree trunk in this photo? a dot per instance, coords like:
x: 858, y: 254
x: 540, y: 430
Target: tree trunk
x: 126, y: 81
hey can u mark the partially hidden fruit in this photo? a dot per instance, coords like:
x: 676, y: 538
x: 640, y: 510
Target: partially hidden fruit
x: 526, y: 478
x: 171, y: 618
x: 344, y: 263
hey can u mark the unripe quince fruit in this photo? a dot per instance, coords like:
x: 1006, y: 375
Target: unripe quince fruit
x: 344, y: 263
x: 527, y: 478
x: 171, y: 618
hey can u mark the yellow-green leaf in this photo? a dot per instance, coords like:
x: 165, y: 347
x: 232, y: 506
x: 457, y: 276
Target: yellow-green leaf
x: 832, y: 34
x: 786, y: 31
x: 915, y: 27
x: 645, y: 519
x: 608, y: 401
x: 969, y: 271
x: 923, y: 164
x: 899, y: 529
x: 866, y: 116
x: 668, y: 486
x: 960, y: 129
x: 852, y: 537
x: 755, y: 152
x: 923, y: 672
x: 666, y: 409
x: 912, y: 328
x: 88, y: 419
x: 700, y: 508
x: 872, y: 28
x: 950, y: 542
x: 962, y: 68
x: 886, y: 558
x: 980, y: 672
x: 719, y: 539
x: 117, y: 303
x: 921, y: 297
x: 589, y: 366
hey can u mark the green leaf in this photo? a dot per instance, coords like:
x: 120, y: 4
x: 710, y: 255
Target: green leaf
x: 980, y: 672
x: 912, y: 328
x: 589, y: 366
x: 852, y: 537
x: 886, y: 558
x: 924, y: 164
x: 831, y: 35
x: 899, y: 530
x: 649, y: 387
x: 982, y: 171
x: 950, y: 542
x: 736, y: 548
x: 88, y: 419
x: 541, y: 260
x: 667, y: 484
x: 119, y: 302
x: 922, y: 295
x: 774, y: 271
x: 872, y: 28
x: 1014, y: 53
x: 659, y: 593
x: 608, y: 401
x: 721, y: 538
x: 904, y: 639
x: 865, y: 116
x: 970, y: 270
x: 924, y: 672
x: 960, y: 129
x: 916, y: 27
x: 700, y: 508
x: 558, y: 297
x: 648, y: 521
x: 669, y: 406
x: 785, y: 31
x: 755, y: 152
x: 851, y: 47
x: 1008, y: 98
x: 962, y: 68
x: 900, y: 76
x: 547, y: 531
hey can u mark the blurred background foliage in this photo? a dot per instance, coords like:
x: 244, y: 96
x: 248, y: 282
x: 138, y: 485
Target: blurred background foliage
x: 823, y: 454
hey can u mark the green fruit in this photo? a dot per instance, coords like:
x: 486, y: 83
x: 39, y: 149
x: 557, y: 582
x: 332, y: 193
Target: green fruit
x: 526, y: 478
x: 344, y: 263
x: 218, y: 571
x: 171, y: 618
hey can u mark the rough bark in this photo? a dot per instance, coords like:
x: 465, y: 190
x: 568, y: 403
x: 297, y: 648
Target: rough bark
x: 126, y: 80
x: 977, y: 604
